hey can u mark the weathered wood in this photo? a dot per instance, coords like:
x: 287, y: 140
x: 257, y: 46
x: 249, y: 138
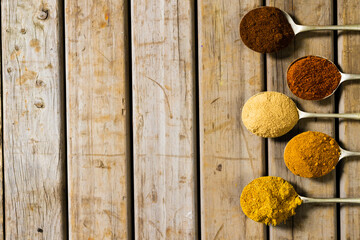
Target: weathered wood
x: 163, y: 73
x: 348, y: 58
x: 231, y: 157
x: 311, y: 221
x: 97, y: 118
x: 34, y: 157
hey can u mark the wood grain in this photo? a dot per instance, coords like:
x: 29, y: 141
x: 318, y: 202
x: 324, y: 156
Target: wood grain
x: 231, y: 157
x: 97, y: 118
x: 303, y: 224
x: 348, y: 55
x: 163, y: 73
x: 34, y: 157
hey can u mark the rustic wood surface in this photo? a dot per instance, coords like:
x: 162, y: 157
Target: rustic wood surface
x: 122, y: 120
x: 163, y: 75
x: 97, y: 119
x: 303, y: 226
x: 33, y: 103
x: 348, y: 55
x: 229, y: 74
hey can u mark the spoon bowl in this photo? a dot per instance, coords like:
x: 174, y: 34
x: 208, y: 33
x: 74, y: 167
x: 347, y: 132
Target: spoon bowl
x: 343, y: 76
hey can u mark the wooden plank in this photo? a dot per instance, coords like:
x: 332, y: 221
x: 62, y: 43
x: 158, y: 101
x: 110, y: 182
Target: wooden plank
x: 311, y: 221
x: 229, y: 74
x: 163, y: 73
x: 97, y: 118
x: 348, y: 55
x: 34, y: 157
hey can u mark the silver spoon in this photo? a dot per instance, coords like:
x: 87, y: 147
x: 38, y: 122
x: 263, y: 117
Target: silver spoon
x: 264, y: 121
x: 305, y: 28
x: 329, y: 200
x: 345, y: 153
x: 344, y: 76
x: 277, y: 41
x: 302, y: 114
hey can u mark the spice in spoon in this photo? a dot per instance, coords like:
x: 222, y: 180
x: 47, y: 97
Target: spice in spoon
x: 313, y: 78
x: 311, y: 154
x: 269, y: 114
x: 270, y: 200
x: 266, y: 30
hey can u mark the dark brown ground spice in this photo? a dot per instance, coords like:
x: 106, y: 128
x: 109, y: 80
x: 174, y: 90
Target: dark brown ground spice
x: 313, y: 78
x: 266, y: 30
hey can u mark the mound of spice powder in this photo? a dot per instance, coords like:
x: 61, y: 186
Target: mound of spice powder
x: 311, y: 154
x: 269, y: 114
x: 270, y: 200
x: 266, y: 30
x: 313, y: 78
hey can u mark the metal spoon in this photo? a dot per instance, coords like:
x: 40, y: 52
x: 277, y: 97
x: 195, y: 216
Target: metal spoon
x: 305, y: 28
x: 276, y: 45
x: 343, y: 154
x: 329, y: 200
x: 344, y: 76
x: 251, y: 113
x: 302, y: 114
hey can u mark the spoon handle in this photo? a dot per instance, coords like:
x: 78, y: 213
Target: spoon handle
x: 304, y: 28
x: 347, y: 76
x: 346, y: 153
x: 355, y: 116
x: 329, y: 200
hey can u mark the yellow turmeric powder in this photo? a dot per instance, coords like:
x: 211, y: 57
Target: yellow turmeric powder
x: 270, y: 200
x: 311, y: 154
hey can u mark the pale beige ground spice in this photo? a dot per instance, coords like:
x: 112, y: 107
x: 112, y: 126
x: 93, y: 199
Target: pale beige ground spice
x: 269, y: 114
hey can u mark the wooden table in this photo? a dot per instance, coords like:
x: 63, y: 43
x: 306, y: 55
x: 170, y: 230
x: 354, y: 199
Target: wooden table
x: 122, y: 119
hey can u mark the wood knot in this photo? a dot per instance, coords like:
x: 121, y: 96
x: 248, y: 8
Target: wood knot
x: 43, y: 14
x: 219, y: 167
x: 40, y: 230
x: 40, y: 83
x: 39, y: 103
x: 9, y: 70
x: 23, y: 31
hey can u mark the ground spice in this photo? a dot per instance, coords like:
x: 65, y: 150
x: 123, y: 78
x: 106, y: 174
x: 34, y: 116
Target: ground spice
x: 269, y: 114
x: 313, y: 78
x: 270, y: 200
x: 311, y: 154
x: 266, y: 30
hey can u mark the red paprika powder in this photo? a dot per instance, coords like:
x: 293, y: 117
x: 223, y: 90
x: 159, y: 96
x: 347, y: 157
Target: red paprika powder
x: 313, y: 78
x: 266, y: 30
